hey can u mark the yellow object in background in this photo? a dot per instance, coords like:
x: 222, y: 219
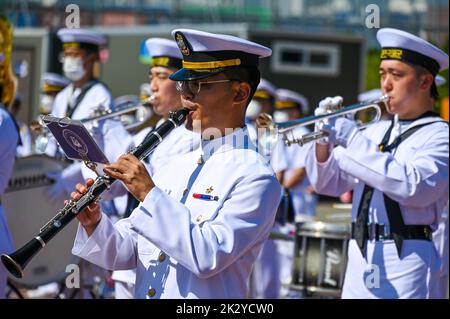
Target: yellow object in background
x: 444, y: 108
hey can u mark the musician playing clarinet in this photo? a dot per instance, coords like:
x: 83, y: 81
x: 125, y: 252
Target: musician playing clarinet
x: 203, y: 216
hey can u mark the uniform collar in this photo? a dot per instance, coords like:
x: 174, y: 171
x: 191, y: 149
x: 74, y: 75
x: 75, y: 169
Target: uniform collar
x: 238, y: 139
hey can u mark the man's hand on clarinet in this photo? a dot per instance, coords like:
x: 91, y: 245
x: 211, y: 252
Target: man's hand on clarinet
x: 133, y: 174
x: 91, y: 215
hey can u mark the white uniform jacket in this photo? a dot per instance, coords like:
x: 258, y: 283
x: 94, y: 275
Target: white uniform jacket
x: 187, y: 247
x: 416, y: 176
x: 8, y: 145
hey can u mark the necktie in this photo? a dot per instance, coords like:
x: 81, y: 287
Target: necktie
x: 361, y: 231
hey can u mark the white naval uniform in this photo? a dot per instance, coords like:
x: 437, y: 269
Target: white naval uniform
x: 304, y: 206
x: 304, y: 203
x: 8, y: 145
x: 184, y: 247
x: 265, y: 283
x: 416, y: 176
x: 26, y: 148
x: 115, y: 141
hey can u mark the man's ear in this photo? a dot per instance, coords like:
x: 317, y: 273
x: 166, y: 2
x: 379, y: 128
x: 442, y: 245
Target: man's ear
x: 426, y: 81
x: 242, y: 94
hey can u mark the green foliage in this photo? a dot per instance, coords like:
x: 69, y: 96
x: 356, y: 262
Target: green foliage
x: 372, y: 65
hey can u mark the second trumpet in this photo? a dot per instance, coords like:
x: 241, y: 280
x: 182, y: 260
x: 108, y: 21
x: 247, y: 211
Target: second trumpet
x: 264, y: 120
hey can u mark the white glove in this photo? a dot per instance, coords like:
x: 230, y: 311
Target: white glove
x: 341, y: 131
x: 327, y: 105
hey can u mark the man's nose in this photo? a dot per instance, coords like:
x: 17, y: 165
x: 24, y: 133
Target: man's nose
x: 386, y: 84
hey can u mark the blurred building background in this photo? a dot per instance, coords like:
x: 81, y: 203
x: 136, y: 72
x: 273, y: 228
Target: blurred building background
x: 321, y: 47
x: 429, y: 18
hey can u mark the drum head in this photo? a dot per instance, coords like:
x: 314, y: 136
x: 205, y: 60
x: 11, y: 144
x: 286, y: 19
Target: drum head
x: 28, y: 209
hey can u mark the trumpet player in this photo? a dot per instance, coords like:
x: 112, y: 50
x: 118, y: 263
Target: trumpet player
x: 399, y: 173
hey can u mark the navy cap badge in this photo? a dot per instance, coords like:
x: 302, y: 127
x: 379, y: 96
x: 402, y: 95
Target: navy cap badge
x: 182, y: 43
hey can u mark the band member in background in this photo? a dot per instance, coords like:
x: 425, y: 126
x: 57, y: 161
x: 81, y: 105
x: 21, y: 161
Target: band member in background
x: 84, y: 97
x: 439, y: 289
x: 25, y: 149
x: 198, y: 232
x: 299, y: 201
x: 51, y: 85
x: 399, y: 173
x: 265, y: 278
x: 263, y: 102
x: 9, y: 137
x: 81, y: 99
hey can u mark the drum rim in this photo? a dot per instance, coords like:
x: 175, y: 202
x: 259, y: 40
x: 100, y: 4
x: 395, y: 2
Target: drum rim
x: 315, y: 290
x: 318, y: 228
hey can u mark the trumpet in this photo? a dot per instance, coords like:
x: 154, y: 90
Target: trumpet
x: 141, y: 114
x: 264, y: 120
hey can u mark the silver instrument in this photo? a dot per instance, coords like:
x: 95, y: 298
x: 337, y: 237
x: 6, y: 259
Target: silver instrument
x: 131, y: 116
x: 264, y: 120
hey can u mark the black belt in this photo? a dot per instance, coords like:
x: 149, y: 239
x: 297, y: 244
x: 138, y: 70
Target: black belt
x: 381, y: 232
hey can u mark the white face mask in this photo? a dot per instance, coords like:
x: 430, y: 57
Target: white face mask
x: 46, y: 104
x: 73, y: 68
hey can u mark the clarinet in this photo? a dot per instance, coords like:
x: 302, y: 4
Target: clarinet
x: 17, y: 261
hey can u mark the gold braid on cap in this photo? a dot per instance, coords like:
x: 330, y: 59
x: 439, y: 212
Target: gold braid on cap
x: 8, y: 81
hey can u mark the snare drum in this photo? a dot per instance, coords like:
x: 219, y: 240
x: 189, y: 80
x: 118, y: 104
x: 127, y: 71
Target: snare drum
x: 28, y: 209
x: 320, y: 258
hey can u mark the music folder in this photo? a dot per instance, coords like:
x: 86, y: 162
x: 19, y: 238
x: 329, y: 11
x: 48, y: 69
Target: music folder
x: 74, y: 139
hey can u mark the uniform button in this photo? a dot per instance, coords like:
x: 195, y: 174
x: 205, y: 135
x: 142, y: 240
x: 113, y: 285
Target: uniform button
x: 199, y: 217
x: 161, y: 257
x: 151, y: 292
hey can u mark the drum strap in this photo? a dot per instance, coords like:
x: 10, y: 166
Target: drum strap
x: 393, y: 211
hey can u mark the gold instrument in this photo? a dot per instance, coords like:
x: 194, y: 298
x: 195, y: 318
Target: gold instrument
x: 264, y: 120
x: 8, y: 81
